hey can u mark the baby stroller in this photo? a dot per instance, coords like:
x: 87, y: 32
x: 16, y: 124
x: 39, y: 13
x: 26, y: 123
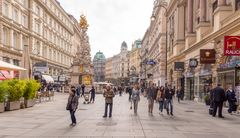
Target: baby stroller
x: 86, y: 99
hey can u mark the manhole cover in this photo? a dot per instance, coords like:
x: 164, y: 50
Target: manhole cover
x: 106, y: 124
x: 82, y: 109
x: 189, y: 111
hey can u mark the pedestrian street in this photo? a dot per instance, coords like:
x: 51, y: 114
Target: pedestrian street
x: 51, y: 120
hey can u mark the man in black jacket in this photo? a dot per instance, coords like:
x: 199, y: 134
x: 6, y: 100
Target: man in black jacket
x: 218, y: 99
x: 169, y: 92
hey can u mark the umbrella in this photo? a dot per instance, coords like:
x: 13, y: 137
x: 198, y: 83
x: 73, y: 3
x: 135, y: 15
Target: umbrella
x: 7, y: 66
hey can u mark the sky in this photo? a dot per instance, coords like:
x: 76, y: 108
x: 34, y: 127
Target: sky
x: 112, y: 21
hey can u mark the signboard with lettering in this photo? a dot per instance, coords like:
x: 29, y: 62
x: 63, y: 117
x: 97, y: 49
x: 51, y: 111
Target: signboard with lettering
x: 232, y: 45
x: 179, y: 66
x: 207, y: 56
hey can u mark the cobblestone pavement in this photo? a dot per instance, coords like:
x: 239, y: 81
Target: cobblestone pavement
x: 51, y: 120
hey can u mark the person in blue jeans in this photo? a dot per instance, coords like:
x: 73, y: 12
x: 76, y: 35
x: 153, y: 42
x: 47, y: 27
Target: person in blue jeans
x: 72, y: 105
x: 161, y: 99
x: 169, y: 103
x: 135, y: 97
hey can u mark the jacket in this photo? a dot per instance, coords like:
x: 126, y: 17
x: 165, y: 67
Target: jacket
x: 108, y: 96
x: 218, y: 95
x: 136, y: 95
x: 72, y: 102
x: 160, y: 95
x: 231, y: 96
x: 151, y: 93
x: 169, y: 93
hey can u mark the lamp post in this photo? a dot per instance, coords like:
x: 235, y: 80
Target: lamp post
x: 153, y: 18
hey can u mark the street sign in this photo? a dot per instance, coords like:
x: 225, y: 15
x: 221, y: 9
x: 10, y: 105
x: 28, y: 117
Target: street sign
x: 232, y: 45
x: 193, y: 63
x: 179, y: 66
x: 151, y: 62
x: 207, y: 56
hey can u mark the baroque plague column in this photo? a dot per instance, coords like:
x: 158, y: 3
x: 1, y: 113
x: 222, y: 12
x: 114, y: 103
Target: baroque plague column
x: 82, y: 66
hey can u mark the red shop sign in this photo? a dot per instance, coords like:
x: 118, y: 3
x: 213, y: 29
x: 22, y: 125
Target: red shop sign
x: 232, y: 46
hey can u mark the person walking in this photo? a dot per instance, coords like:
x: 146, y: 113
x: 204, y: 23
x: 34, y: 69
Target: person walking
x: 231, y: 98
x: 108, y: 94
x: 161, y: 99
x: 135, y: 97
x: 92, y: 92
x: 129, y: 90
x: 179, y: 94
x: 72, y: 105
x: 218, y: 99
x: 83, y: 90
x: 151, y: 94
x: 78, y: 90
x: 169, y: 101
x: 120, y: 89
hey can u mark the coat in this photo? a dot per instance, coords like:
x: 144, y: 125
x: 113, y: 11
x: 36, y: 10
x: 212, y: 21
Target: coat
x: 72, y: 103
x: 151, y: 93
x: 135, y: 95
x: 231, y: 96
x: 160, y: 95
x: 218, y: 95
x: 169, y: 93
x: 108, y: 96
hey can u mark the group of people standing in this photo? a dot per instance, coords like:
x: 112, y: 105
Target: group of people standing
x: 218, y: 97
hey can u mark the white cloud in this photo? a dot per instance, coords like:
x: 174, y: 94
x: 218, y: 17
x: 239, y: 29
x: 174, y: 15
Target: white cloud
x: 112, y: 21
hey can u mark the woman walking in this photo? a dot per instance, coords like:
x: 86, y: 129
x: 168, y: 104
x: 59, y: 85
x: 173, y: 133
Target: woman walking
x: 161, y: 99
x: 231, y: 97
x: 72, y: 105
x: 135, y: 97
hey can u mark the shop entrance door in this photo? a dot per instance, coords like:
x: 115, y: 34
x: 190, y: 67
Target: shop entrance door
x: 191, y: 88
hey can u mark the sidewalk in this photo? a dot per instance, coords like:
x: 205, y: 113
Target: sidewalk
x: 51, y: 120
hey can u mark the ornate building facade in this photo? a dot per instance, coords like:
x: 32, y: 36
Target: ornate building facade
x: 196, y: 25
x: 40, y: 33
x: 99, y: 66
x: 120, y: 66
x: 153, y: 51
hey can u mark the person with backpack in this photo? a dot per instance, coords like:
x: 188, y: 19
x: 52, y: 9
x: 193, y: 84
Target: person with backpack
x: 135, y: 97
x: 72, y: 105
x: 231, y: 98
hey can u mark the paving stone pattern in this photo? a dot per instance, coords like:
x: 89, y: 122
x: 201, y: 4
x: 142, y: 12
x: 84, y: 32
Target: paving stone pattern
x: 51, y: 120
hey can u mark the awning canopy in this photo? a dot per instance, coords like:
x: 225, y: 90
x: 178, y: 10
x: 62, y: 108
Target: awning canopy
x: 4, y: 75
x: 48, y: 78
x: 7, y: 66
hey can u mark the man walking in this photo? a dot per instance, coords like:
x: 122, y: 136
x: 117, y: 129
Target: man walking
x: 218, y: 99
x: 169, y: 102
x: 83, y: 90
x: 129, y: 90
x: 108, y: 94
x: 151, y: 95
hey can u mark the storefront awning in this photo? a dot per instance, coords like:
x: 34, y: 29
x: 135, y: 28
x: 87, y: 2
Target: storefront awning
x: 48, y: 78
x: 4, y: 75
x: 7, y: 66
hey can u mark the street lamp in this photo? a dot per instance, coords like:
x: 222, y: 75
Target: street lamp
x: 163, y: 4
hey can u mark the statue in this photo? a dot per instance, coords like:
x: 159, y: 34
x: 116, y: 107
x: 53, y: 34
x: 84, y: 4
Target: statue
x: 83, y: 22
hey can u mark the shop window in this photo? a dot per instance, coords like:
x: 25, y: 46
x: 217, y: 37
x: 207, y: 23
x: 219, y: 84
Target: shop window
x: 16, y: 62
